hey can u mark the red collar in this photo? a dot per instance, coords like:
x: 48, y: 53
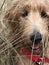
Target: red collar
x: 36, y: 58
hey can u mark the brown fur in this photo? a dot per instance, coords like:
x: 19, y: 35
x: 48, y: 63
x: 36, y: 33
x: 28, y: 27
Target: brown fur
x: 20, y: 26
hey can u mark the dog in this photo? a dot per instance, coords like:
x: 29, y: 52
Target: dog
x: 27, y: 23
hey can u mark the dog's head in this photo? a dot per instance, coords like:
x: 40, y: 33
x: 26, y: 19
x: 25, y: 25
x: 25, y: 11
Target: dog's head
x: 29, y: 22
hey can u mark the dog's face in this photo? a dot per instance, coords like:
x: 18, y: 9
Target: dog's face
x: 31, y: 18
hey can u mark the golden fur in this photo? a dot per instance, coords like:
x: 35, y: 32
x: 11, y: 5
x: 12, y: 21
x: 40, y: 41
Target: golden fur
x: 21, y: 26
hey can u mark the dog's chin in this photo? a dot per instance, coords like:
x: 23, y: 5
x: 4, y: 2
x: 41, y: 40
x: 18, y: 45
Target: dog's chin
x: 37, y: 48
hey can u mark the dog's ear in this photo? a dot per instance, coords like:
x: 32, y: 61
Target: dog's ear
x: 11, y: 11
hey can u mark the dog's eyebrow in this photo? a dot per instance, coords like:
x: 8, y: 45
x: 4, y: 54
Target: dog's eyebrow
x: 41, y: 7
x: 27, y: 7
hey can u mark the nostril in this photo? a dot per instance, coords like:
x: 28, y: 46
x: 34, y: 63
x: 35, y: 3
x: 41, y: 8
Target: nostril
x: 37, y: 37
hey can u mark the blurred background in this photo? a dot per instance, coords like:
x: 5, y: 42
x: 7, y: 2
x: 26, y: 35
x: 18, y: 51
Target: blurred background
x: 5, y: 53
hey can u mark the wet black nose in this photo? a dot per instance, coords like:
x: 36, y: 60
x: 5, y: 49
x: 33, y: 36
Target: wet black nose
x: 36, y: 37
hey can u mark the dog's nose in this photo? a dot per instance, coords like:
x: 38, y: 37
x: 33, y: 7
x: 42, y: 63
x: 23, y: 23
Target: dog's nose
x: 36, y: 37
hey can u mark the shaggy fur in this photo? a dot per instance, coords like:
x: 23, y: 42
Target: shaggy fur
x: 24, y: 18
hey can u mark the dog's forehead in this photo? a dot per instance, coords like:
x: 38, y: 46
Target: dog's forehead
x: 37, y: 4
x: 31, y: 3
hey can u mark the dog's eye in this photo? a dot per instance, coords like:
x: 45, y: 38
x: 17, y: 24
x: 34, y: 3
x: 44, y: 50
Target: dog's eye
x: 25, y: 13
x: 43, y: 14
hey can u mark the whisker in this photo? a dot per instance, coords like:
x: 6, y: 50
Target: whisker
x: 15, y: 36
x: 14, y: 40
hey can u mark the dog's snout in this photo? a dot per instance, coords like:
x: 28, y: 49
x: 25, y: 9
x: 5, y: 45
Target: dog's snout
x: 36, y: 37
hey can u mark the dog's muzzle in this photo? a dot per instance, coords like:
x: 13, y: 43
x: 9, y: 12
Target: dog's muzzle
x: 36, y: 39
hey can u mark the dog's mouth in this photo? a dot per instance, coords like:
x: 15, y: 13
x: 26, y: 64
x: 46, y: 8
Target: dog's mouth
x: 36, y: 43
x: 35, y: 46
